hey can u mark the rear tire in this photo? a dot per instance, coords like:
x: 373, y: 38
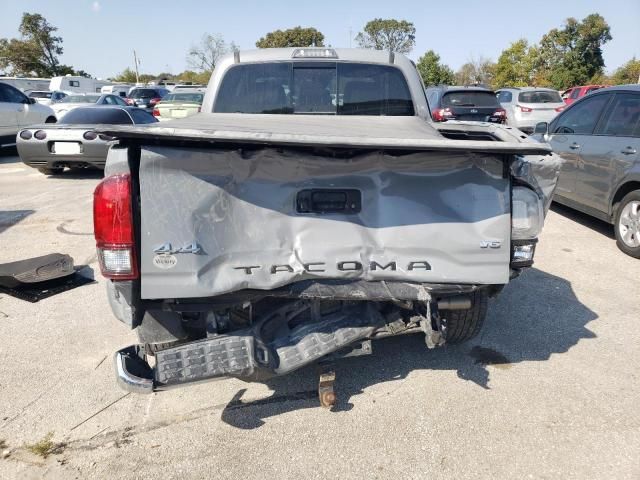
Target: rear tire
x: 50, y: 171
x: 463, y: 325
x: 627, y: 224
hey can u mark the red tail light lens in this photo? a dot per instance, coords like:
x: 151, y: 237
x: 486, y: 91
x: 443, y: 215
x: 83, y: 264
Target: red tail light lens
x: 500, y: 115
x: 442, y: 114
x: 90, y: 135
x: 525, y: 109
x: 156, y: 112
x: 153, y: 101
x: 113, y: 228
x: 559, y: 109
x: 130, y: 101
x: 40, y: 134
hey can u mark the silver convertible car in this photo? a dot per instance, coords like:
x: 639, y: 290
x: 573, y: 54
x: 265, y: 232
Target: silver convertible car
x: 72, y: 142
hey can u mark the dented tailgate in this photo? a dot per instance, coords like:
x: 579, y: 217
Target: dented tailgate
x: 222, y: 218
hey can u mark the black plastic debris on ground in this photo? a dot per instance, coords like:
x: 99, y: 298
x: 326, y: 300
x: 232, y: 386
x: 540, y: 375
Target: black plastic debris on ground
x: 34, y: 292
x: 36, y: 278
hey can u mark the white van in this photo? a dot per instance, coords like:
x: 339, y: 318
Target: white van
x: 121, y: 90
x: 25, y: 84
x: 71, y: 84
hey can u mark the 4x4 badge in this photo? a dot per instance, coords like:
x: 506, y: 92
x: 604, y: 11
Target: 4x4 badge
x: 166, y: 249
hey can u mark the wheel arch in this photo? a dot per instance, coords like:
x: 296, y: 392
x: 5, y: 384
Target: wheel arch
x: 628, y: 186
x: 51, y: 119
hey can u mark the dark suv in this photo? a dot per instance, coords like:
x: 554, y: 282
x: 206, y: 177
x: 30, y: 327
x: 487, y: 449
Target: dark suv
x: 146, y: 97
x: 476, y: 104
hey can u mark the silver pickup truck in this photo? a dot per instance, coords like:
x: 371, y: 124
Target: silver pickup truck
x: 310, y: 208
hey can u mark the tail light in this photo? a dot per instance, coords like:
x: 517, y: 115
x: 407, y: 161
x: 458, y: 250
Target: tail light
x: 156, y: 112
x: 153, y: 101
x: 113, y: 228
x: 130, y: 101
x: 40, y: 134
x: 90, y: 135
x: 525, y: 109
x: 559, y: 109
x: 442, y: 114
x: 500, y: 114
x: 25, y: 134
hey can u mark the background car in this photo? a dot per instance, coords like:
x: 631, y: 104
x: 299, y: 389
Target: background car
x: 527, y: 106
x: 464, y: 103
x: 598, y: 138
x: 17, y: 111
x: 575, y: 93
x: 146, y: 97
x: 45, y: 97
x: 189, y: 88
x: 73, y: 142
x: 178, y: 105
x: 80, y: 100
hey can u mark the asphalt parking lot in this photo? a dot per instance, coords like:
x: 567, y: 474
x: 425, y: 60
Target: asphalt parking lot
x: 549, y: 389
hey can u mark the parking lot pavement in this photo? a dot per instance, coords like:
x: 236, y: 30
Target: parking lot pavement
x: 548, y: 390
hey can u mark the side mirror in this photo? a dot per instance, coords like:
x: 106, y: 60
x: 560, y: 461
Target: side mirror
x: 32, y: 100
x: 541, y: 128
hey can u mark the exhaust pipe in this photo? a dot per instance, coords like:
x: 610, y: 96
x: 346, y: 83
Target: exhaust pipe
x: 454, y: 303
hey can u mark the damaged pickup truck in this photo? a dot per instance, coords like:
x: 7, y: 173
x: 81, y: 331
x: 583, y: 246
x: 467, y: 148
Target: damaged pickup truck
x: 311, y: 208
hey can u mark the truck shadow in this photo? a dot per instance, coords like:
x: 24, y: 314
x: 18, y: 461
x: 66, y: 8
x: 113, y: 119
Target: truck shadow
x: 537, y: 315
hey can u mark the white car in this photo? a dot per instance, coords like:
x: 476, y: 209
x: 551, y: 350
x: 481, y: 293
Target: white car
x: 527, y: 106
x: 18, y: 111
x: 46, y: 97
x: 75, y: 100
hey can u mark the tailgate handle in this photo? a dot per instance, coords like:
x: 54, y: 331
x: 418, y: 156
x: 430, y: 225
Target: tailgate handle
x: 324, y: 200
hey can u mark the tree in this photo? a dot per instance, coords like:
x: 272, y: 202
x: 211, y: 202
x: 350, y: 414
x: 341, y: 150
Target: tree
x: 189, y: 76
x: 292, y: 37
x: 36, y: 52
x: 478, y: 71
x: 392, y: 35
x: 627, y: 73
x: 206, y: 54
x: 572, y: 55
x: 515, y: 65
x: 432, y: 71
x: 126, y: 76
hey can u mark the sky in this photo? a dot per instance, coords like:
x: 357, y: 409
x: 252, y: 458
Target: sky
x: 100, y: 35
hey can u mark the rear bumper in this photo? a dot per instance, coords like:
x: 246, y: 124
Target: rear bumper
x: 257, y: 352
x: 244, y: 353
x: 54, y: 161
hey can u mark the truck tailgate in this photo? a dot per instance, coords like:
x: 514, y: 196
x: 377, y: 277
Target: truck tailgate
x: 223, y: 218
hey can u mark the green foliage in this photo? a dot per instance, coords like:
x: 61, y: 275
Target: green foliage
x: 189, y: 76
x: 292, y: 37
x: 627, y: 73
x: 126, y: 76
x: 572, y: 55
x: 46, y: 446
x: 515, y: 65
x: 206, y: 54
x: 432, y: 71
x: 478, y: 71
x: 36, y: 52
x: 391, y: 35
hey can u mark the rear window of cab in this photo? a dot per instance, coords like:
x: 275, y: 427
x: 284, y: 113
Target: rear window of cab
x: 325, y: 88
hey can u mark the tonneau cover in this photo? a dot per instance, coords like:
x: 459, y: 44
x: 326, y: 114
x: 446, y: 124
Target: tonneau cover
x: 404, y: 133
